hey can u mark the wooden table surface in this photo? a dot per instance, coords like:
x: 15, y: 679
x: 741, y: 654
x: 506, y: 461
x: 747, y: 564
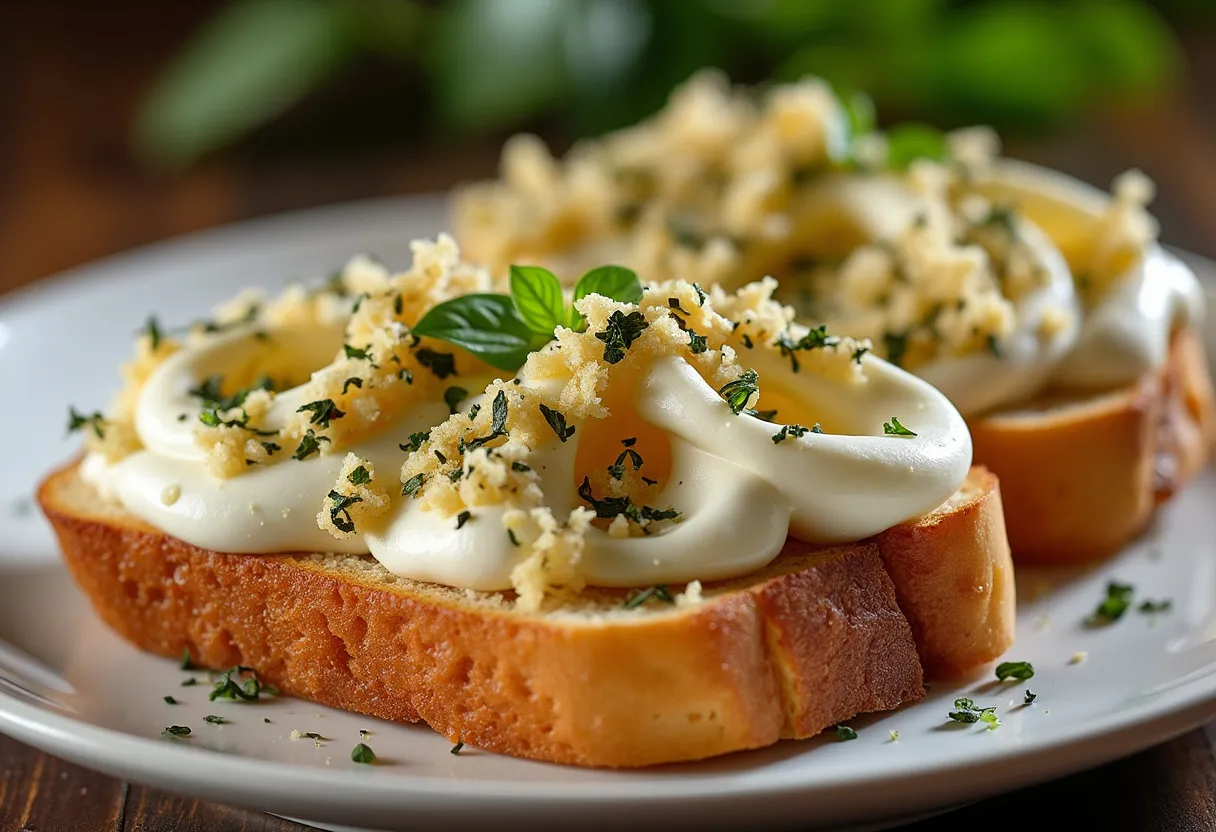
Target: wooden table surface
x: 69, y: 194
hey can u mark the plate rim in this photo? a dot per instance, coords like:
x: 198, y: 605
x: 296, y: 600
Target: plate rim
x: 261, y: 783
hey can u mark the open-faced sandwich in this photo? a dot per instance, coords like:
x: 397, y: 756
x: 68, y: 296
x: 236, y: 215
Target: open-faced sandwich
x: 614, y: 525
x: 1043, y: 308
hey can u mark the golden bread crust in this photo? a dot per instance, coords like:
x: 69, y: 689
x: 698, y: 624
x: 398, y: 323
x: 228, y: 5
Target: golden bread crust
x: 810, y: 641
x: 953, y: 576
x: 1080, y: 478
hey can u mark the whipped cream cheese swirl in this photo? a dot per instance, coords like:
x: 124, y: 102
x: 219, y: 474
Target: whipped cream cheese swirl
x: 731, y: 427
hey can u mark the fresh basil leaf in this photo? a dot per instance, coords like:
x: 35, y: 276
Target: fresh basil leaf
x: 911, y: 141
x: 537, y: 294
x: 484, y: 324
x: 616, y: 282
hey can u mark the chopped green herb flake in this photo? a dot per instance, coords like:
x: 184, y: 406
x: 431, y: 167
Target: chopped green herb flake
x: 796, y: 431
x: 657, y: 593
x: 169, y: 700
x: 1030, y: 697
x: 359, y: 476
x: 411, y: 486
x: 442, y: 364
x: 1014, y: 670
x: 619, y: 333
x: 498, y: 420
x: 739, y: 392
x: 617, y: 469
x: 894, y: 428
x: 453, y: 396
x: 246, y: 686
x: 896, y: 345
x: 362, y: 754
x: 1150, y: 606
x: 456, y: 749
x: 310, y: 444
x: 153, y: 331
x: 213, y: 719
x: 78, y: 421
x: 323, y: 412
x: 1117, y: 601
x: 966, y: 711
x: 175, y: 731
x: 519, y: 466
x: 416, y: 440
x: 353, y: 381
x: 356, y: 352
x: 697, y: 344
x: 185, y: 663
x: 557, y: 421
x: 462, y: 518
x: 844, y: 733
x: 339, y: 512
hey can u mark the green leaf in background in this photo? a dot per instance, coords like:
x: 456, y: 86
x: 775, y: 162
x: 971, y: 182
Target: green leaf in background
x: 911, y: 141
x: 247, y: 65
x: 494, y: 62
x: 1013, y: 58
x: 1131, y: 50
x: 580, y: 67
x: 486, y: 325
x: 537, y: 294
x: 859, y: 110
x: 616, y: 282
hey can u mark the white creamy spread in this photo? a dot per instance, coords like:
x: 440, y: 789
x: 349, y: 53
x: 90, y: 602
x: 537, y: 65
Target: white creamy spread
x: 503, y: 509
x: 1126, y: 333
x: 992, y: 279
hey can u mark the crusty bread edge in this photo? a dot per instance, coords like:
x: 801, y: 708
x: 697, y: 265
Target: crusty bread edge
x: 1080, y: 481
x: 813, y: 640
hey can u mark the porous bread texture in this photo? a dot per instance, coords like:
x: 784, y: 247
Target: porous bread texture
x: 808, y: 642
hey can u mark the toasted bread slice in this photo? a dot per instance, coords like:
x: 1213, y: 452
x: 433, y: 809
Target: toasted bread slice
x: 811, y: 640
x: 1081, y: 475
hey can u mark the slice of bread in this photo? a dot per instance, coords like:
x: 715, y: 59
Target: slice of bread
x: 818, y: 636
x: 1081, y: 474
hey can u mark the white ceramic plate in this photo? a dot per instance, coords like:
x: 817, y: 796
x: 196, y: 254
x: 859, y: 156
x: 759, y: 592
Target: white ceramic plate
x: 69, y: 686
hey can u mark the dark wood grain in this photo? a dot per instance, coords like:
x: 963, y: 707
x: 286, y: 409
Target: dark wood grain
x: 39, y: 792
x: 1171, y: 788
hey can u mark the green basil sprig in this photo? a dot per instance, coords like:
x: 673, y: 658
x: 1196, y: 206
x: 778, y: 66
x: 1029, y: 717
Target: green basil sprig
x: 502, y: 329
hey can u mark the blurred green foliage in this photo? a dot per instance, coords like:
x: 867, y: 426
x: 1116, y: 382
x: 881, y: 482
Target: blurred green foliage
x: 586, y: 66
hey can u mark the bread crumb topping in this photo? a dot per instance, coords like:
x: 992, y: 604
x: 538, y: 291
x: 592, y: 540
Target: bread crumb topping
x: 657, y: 434
x: 923, y: 256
